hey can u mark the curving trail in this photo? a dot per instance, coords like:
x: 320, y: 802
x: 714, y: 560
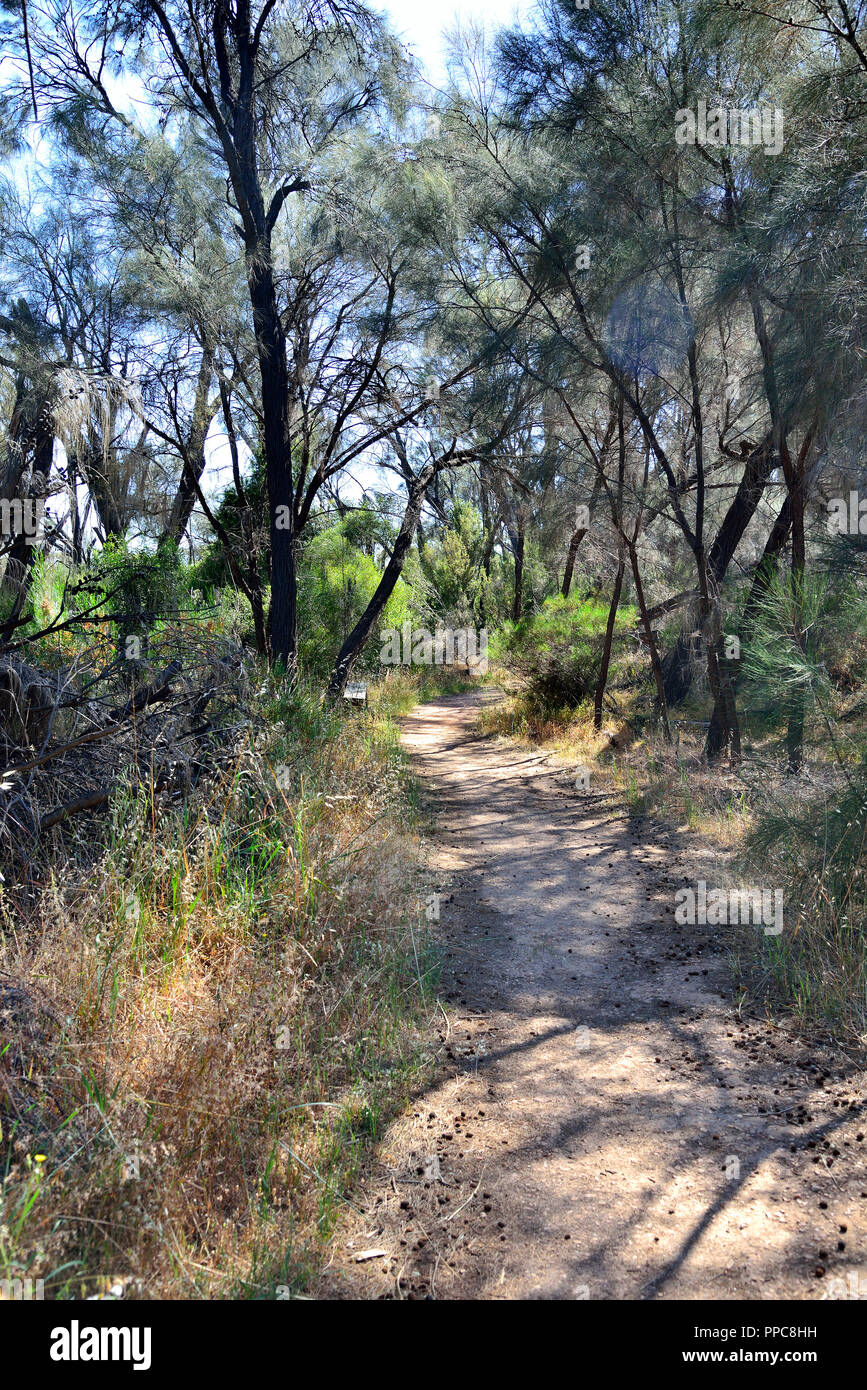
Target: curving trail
x: 604, y: 1125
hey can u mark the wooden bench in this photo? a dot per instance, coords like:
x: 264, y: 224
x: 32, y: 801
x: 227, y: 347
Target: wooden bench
x: 355, y: 693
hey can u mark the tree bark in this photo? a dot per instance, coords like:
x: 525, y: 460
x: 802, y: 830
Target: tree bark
x: 518, y: 598
x: 236, y: 118
x: 606, y: 650
x: 579, y: 534
x: 759, y: 466
x: 764, y: 570
x: 794, y: 470
x: 271, y: 349
x: 194, y: 455
x: 18, y: 574
x: 575, y: 541
x: 359, y: 635
x: 655, y: 663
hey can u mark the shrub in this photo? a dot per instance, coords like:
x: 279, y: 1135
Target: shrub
x: 141, y: 588
x: 814, y: 849
x: 557, y: 650
x: 336, y: 581
x: 204, y: 1023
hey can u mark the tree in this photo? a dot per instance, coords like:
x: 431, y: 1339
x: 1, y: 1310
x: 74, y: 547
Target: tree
x: 264, y: 89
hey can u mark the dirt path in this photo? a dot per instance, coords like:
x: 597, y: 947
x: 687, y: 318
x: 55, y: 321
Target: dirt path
x: 603, y: 1126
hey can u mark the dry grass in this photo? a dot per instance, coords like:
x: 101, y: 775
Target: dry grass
x: 200, y: 1033
x: 816, y: 971
x: 667, y: 781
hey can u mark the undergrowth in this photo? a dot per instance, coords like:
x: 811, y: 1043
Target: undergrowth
x: 202, y: 1032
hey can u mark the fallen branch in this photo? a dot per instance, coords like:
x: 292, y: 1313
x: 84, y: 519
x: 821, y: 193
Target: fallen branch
x: 150, y: 695
x: 79, y: 803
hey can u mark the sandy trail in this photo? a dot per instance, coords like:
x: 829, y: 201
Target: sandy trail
x: 604, y: 1125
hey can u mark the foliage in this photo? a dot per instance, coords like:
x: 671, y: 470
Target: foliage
x: 234, y: 1026
x: 557, y: 650
x: 815, y: 846
x: 816, y: 670
x: 336, y: 582
x: 140, y: 589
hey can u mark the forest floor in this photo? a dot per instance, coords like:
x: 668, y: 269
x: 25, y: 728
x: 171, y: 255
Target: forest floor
x: 605, y: 1122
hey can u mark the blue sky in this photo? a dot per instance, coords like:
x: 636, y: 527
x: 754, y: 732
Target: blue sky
x: 421, y: 24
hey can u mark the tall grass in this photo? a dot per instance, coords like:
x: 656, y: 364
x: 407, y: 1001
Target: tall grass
x: 200, y: 1034
x: 809, y: 832
x: 812, y: 843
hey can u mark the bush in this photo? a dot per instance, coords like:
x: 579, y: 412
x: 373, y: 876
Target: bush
x: 557, y: 650
x: 815, y: 851
x: 141, y: 588
x: 809, y: 839
x: 336, y: 581
x: 205, y: 1021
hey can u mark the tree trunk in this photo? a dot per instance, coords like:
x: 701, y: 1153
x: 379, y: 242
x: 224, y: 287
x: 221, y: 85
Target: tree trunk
x: 795, y: 730
x: 580, y: 532
x: 194, y: 456
x: 487, y: 549
x: 17, y: 433
x: 359, y: 635
x: 759, y: 466
x: 764, y: 570
x: 655, y: 663
x: 271, y: 351
x: 75, y: 511
x: 518, y: 600
x: 720, y: 686
x: 577, y: 538
x: 93, y: 468
x: 18, y: 575
x: 606, y: 650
